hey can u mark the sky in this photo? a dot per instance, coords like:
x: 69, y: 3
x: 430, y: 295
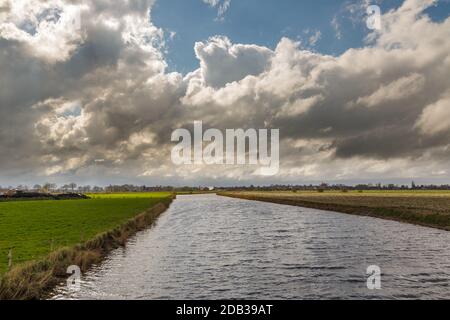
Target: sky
x: 90, y: 91
x: 337, y: 25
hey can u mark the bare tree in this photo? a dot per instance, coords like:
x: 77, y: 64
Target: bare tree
x: 97, y: 189
x: 72, y: 186
x: 47, y: 187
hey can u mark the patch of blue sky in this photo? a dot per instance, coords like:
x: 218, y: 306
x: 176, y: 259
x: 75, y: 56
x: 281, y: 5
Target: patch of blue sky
x: 328, y: 27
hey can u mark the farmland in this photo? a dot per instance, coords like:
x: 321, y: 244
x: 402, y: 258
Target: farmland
x: 427, y: 208
x: 33, y: 229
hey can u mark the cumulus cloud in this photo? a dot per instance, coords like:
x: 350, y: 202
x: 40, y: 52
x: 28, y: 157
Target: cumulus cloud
x: 399, y: 89
x: 48, y: 29
x: 222, y: 62
x: 96, y: 101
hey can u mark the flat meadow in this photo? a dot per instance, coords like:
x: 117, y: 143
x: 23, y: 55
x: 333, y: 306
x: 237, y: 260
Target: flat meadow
x: 427, y: 208
x: 33, y: 229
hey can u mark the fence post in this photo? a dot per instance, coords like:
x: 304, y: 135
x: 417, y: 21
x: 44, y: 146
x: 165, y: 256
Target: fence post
x: 10, y: 259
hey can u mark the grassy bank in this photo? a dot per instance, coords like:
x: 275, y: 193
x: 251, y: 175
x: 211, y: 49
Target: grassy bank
x: 426, y: 208
x: 48, y: 236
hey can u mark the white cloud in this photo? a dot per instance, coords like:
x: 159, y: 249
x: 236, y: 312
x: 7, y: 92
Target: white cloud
x: 435, y: 118
x: 313, y: 39
x: 337, y: 27
x: 49, y: 29
x: 222, y: 6
x: 222, y: 62
x: 396, y: 90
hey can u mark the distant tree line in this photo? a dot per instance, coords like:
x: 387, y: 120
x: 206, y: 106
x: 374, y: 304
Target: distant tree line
x: 133, y: 188
x: 341, y: 187
x: 49, y: 187
x: 74, y: 188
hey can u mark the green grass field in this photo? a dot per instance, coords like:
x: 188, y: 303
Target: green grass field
x: 33, y: 228
x: 131, y: 195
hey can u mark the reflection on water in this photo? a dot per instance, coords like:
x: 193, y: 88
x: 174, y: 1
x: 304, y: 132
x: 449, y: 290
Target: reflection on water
x: 211, y: 247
